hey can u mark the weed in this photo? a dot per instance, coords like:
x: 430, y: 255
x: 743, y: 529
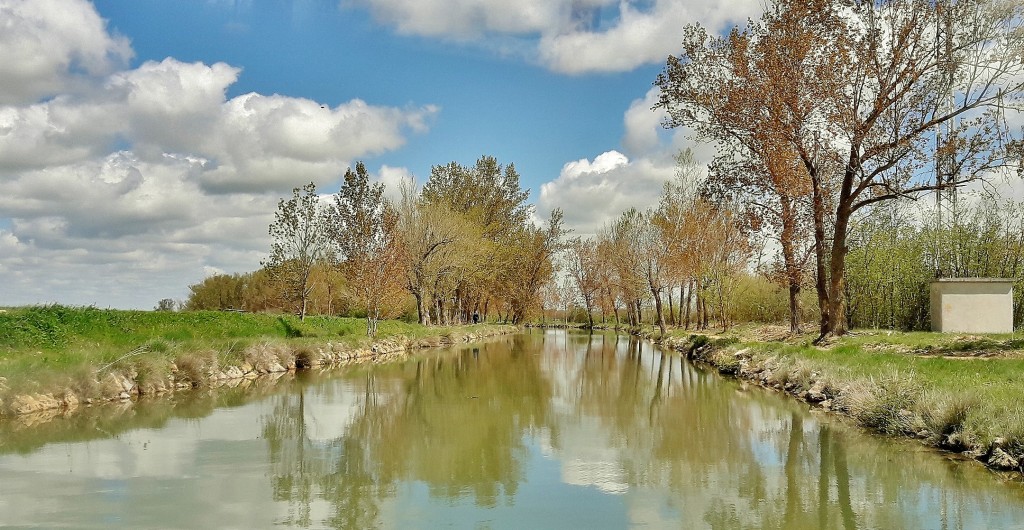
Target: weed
x: 194, y: 367
x: 886, y: 404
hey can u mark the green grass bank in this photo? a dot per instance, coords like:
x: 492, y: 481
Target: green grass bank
x: 57, y: 358
x: 961, y: 393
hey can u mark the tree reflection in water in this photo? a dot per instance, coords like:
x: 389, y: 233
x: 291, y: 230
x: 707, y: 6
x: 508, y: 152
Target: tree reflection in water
x: 677, y: 445
x: 450, y: 422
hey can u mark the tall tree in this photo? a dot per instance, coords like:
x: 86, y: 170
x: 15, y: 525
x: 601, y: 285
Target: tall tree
x: 435, y: 241
x: 488, y: 198
x: 532, y: 265
x: 300, y: 238
x: 365, y: 229
x: 756, y: 92
x: 581, y: 263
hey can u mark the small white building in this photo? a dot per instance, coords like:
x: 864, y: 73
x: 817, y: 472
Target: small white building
x: 972, y: 305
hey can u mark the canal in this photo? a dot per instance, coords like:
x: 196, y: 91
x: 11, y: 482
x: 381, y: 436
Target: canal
x: 545, y: 429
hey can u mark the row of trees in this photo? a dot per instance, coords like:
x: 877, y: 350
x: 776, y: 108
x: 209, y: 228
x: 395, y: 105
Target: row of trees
x: 825, y: 109
x: 688, y: 248
x: 464, y: 244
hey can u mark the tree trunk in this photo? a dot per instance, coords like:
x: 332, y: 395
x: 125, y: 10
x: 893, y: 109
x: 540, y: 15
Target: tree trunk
x: 659, y: 314
x: 820, y: 278
x: 421, y: 308
x: 671, y: 310
x: 837, y: 280
x: 836, y: 284
x: 793, y: 275
x: 689, y: 296
x: 697, y: 311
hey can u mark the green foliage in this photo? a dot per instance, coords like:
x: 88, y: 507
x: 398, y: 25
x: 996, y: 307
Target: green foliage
x: 300, y: 236
x: 895, y: 255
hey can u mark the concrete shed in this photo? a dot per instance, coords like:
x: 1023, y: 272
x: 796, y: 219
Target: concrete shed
x: 972, y: 305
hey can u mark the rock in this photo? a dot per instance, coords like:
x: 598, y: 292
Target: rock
x: 999, y: 459
x: 234, y: 372
x: 816, y: 393
x: 123, y: 396
x: 27, y: 404
x: 70, y: 401
x: 276, y: 367
x: 826, y: 404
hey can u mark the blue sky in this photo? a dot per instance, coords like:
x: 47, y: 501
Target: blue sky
x: 144, y: 143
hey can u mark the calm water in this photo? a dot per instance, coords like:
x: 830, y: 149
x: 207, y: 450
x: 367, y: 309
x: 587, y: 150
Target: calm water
x: 542, y: 430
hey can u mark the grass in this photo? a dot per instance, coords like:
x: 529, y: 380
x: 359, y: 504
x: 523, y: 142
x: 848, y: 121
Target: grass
x: 961, y: 392
x: 58, y: 347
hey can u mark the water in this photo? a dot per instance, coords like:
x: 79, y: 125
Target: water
x: 540, y: 430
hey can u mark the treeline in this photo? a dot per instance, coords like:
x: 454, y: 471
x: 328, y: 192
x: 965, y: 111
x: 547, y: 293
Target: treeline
x: 463, y: 247
x: 710, y: 268
x: 686, y: 253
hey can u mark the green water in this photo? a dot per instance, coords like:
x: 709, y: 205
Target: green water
x: 540, y: 430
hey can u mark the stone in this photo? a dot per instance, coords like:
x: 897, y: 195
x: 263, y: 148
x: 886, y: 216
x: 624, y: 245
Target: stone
x: 123, y: 396
x: 816, y: 393
x: 234, y: 372
x: 999, y: 459
x: 70, y: 401
x: 28, y: 403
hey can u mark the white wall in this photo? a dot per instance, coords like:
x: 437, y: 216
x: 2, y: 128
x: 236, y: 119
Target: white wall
x: 972, y: 305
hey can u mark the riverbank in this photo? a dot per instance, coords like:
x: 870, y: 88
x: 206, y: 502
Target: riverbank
x: 56, y: 359
x: 960, y: 393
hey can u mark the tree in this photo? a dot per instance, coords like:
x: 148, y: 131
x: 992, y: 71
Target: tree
x: 165, y: 304
x: 755, y: 93
x: 365, y: 232
x: 907, y: 103
x: 873, y: 93
x: 300, y: 238
x: 581, y: 262
x: 624, y: 237
x: 433, y: 239
x: 532, y: 265
x: 488, y: 198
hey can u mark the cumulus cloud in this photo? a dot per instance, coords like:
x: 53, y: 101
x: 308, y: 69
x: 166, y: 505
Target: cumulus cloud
x: 122, y: 185
x: 568, y: 36
x: 49, y: 44
x: 592, y: 193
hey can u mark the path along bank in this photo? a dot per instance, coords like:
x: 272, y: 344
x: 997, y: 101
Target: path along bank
x: 963, y: 394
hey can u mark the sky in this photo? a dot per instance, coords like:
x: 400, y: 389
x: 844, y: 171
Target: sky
x: 144, y: 144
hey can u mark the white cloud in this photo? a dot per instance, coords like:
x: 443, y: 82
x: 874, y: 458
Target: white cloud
x: 122, y: 186
x: 48, y: 44
x: 465, y: 19
x: 592, y: 193
x: 568, y: 36
x: 392, y: 178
